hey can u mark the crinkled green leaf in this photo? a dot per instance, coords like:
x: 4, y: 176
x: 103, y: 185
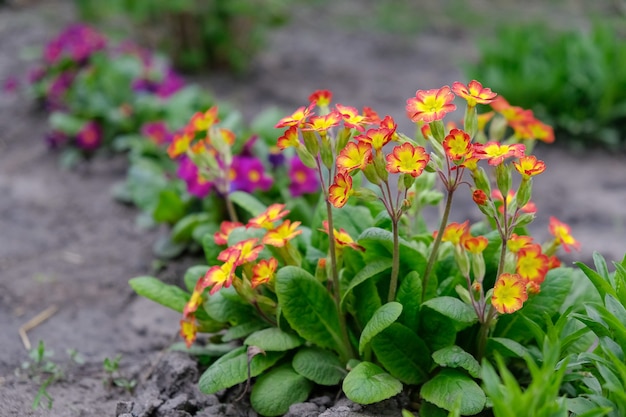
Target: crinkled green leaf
x: 242, y: 330
x: 450, y: 386
x: 410, y: 296
x: 169, y: 208
x: 320, y: 366
x: 366, y: 383
x: 273, y: 339
x: 437, y: 330
x: 166, y: 248
x: 371, y: 270
x: 379, y: 242
x: 232, y: 369
x: 461, y: 314
x: 247, y: 202
x: 183, y: 229
x: 455, y: 357
x: 505, y: 347
x: 382, y: 318
x: 226, y: 309
x: 274, y: 392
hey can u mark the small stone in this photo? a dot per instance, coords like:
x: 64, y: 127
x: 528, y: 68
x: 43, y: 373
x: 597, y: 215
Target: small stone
x: 123, y: 407
x: 303, y: 410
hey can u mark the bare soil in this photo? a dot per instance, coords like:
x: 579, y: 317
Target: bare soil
x: 64, y: 242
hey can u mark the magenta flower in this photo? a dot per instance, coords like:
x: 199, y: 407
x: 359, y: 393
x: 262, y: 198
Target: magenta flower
x: 303, y: 179
x: 170, y: 84
x: 55, y: 139
x: 90, y: 136
x: 188, y: 172
x: 76, y: 42
x: 248, y: 174
x: 157, y: 132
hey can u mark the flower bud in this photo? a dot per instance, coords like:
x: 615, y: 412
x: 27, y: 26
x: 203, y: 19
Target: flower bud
x: 462, y: 260
x: 326, y: 153
x: 370, y: 174
x: 479, y: 197
x: 407, y: 181
x: 524, y: 192
x: 504, y: 179
x: 481, y: 181
x: 310, y: 142
x: 365, y: 194
x: 306, y: 157
x: 342, y: 140
x: 438, y: 130
x: 524, y: 219
x: 471, y: 121
x: 381, y: 166
x: 478, y: 267
x: 497, y: 128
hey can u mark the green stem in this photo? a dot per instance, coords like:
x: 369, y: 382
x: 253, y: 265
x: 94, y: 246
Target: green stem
x: 395, y: 263
x: 335, y: 278
x: 435, y: 250
x: 230, y: 208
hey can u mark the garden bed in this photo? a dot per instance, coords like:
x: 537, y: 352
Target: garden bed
x: 66, y: 243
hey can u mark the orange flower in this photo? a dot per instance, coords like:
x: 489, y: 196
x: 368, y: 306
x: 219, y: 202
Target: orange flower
x: 342, y: 238
x: 263, y: 272
x: 517, y: 243
x: 266, y: 219
x: 189, y: 330
x: 407, y: 159
x: 475, y: 244
x: 509, y: 293
x: 282, y: 234
x: 471, y: 159
x: 241, y: 252
x: 528, y: 166
x: 351, y: 117
x: 532, y: 265
x: 562, y: 234
x: 221, y: 237
x: 321, y: 98
x: 194, y: 302
x: 219, y: 276
x: 323, y: 123
x: 554, y: 262
x: 430, y: 105
x: 202, y: 121
x: 179, y: 145
x: 370, y: 115
x: 298, y: 118
x: 356, y: 155
x: 377, y: 138
x: 457, y: 145
x: 455, y: 232
x: 389, y: 124
x: 426, y: 131
x: 227, y: 136
x: 473, y: 93
x: 340, y: 190
x: 496, y: 152
x: 289, y: 139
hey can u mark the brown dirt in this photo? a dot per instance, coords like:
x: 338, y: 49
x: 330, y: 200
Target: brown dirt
x: 65, y: 242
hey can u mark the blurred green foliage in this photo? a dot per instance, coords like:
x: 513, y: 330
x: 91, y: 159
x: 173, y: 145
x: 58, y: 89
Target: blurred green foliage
x: 573, y: 80
x: 195, y: 34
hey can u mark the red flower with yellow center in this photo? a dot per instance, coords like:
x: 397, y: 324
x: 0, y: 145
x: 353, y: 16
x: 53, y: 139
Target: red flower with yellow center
x: 195, y: 301
x: 457, y: 145
x: 282, y: 234
x: 179, y: 145
x: 200, y: 122
x: 340, y: 190
x: 356, y: 155
x: 430, y: 105
x: 226, y: 135
x: 540, y: 131
x: 323, y: 123
x: 518, y: 242
x: 219, y: 276
x: 528, y: 166
x: 266, y: 219
x: 298, y: 118
x: 563, y: 234
x: 532, y: 265
x: 455, y: 232
x: 377, y: 138
x: 475, y: 244
x: 496, y: 152
x: 221, y: 237
x: 263, y: 272
x: 407, y: 159
x: 321, y: 98
x: 352, y: 118
x: 188, y: 330
x: 241, y: 252
x: 474, y: 93
x: 370, y: 115
x: 509, y: 293
x: 342, y: 238
x: 289, y: 139
x: 389, y: 124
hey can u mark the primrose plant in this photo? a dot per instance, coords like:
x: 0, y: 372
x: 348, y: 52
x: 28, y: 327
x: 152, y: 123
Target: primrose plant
x: 364, y: 293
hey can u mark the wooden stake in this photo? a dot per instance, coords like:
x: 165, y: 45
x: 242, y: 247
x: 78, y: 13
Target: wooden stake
x: 34, y: 322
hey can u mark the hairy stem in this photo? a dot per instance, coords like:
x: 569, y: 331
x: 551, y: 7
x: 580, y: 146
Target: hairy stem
x: 395, y: 263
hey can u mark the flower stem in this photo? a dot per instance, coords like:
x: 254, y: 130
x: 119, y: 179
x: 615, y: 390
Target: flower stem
x: 335, y: 278
x: 433, y: 254
x: 395, y: 263
x: 230, y: 208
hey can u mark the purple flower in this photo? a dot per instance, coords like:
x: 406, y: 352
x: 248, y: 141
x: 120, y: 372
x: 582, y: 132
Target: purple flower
x: 76, y: 42
x: 188, y: 172
x: 303, y: 178
x: 90, y: 136
x: 55, y: 95
x: 55, y: 139
x: 248, y: 174
x: 170, y: 84
x: 157, y: 132
x: 10, y: 85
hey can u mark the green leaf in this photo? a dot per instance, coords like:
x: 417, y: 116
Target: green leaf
x: 365, y: 301
x: 183, y: 229
x: 382, y: 318
x: 403, y: 353
x: 371, y: 269
x: 156, y: 290
x: 169, y: 207
x: 231, y: 310
x: 193, y: 274
x: 247, y: 202
x: 506, y: 347
x: 66, y: 123
x: 232, y: 369
x: 450, y: 386
x: 166, y: 248
x: 410, y: 296
x: 242, y: 330
x: 274, y: 392
x: 455, y: 357
x: 366, y: 383
x: 461, y: 314
x: 273, y: 339
x: 602, y: 285
x: 320, y: 366
x: 309, y: 308
x: 379, y: 242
